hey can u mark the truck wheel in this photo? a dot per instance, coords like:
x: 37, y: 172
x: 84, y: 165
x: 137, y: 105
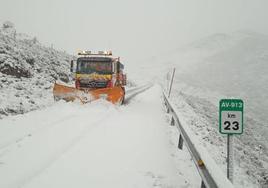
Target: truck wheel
x: 56, y: 98
x: 123, y: 100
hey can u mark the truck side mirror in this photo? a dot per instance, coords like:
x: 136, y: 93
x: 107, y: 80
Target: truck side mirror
x: 118, y: 67
x: 124, y: 79
x: 72, y: 65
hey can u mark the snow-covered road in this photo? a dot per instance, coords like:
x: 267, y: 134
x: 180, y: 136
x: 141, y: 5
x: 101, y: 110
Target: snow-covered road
x: 94, y: 145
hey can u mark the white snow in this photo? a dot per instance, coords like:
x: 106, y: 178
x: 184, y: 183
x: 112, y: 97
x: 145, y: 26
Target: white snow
x: 101, y: 145
x: 94, y: 145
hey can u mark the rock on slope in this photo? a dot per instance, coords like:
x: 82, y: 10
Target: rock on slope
x: 27, y: 71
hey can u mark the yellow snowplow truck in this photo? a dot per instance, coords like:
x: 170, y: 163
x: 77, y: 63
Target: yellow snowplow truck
x: 98, y: 75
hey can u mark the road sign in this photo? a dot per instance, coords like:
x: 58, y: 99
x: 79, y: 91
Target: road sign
x: 231, y: 116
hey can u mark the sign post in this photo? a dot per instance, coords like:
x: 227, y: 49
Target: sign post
x: 231, y: 123
x: 171, y: 82
x: 230, y: 158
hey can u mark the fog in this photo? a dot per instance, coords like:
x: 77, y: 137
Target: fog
x: 136, y: 30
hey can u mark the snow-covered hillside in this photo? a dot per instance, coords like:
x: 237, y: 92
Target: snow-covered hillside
x: 224, y: 66
x: 236, y: 67
x: 27, y: 71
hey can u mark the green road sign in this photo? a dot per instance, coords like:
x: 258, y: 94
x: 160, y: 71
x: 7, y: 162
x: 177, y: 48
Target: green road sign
x: 231, y: 116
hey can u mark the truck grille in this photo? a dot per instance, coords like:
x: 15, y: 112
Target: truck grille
x: 94, y: 84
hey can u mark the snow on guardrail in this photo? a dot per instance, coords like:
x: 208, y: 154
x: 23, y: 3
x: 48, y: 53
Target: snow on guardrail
x: 212, y: 176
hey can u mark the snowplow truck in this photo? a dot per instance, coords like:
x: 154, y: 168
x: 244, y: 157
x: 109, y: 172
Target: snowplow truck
x: 96, y: 76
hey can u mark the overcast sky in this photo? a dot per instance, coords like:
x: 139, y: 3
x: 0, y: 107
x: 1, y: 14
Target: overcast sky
x: 136, y: 29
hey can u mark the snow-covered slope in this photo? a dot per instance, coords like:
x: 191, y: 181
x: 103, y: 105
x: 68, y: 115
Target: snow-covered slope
x: 237, y: 69
x: 27, y: 71
x: 223, y: 66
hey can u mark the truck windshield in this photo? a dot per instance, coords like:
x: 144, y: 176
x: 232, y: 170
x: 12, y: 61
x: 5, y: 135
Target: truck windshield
x: 88, y: 67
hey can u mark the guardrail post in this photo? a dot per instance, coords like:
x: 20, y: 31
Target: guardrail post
x: 166, y: 105
x: 203, y: 185
x: 171, y: 82
x: 172, y: 121
x: 168, y: 110
x: 180, y: 144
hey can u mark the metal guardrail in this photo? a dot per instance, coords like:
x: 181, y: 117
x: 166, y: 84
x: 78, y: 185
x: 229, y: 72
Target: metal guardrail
x: 212, y: 176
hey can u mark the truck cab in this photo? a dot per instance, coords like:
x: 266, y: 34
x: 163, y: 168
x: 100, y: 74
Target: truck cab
x: 100, y: 70
x: 96, y: 76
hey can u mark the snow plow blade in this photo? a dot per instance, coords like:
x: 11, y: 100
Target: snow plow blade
x: 114, y: 95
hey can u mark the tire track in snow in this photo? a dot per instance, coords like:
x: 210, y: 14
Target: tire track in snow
x: 24, y: 174
x: 64, y: 150
x: 131, y: 149
x: 131, y: 93
x: 21, y: 174
x: 27, y: 135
